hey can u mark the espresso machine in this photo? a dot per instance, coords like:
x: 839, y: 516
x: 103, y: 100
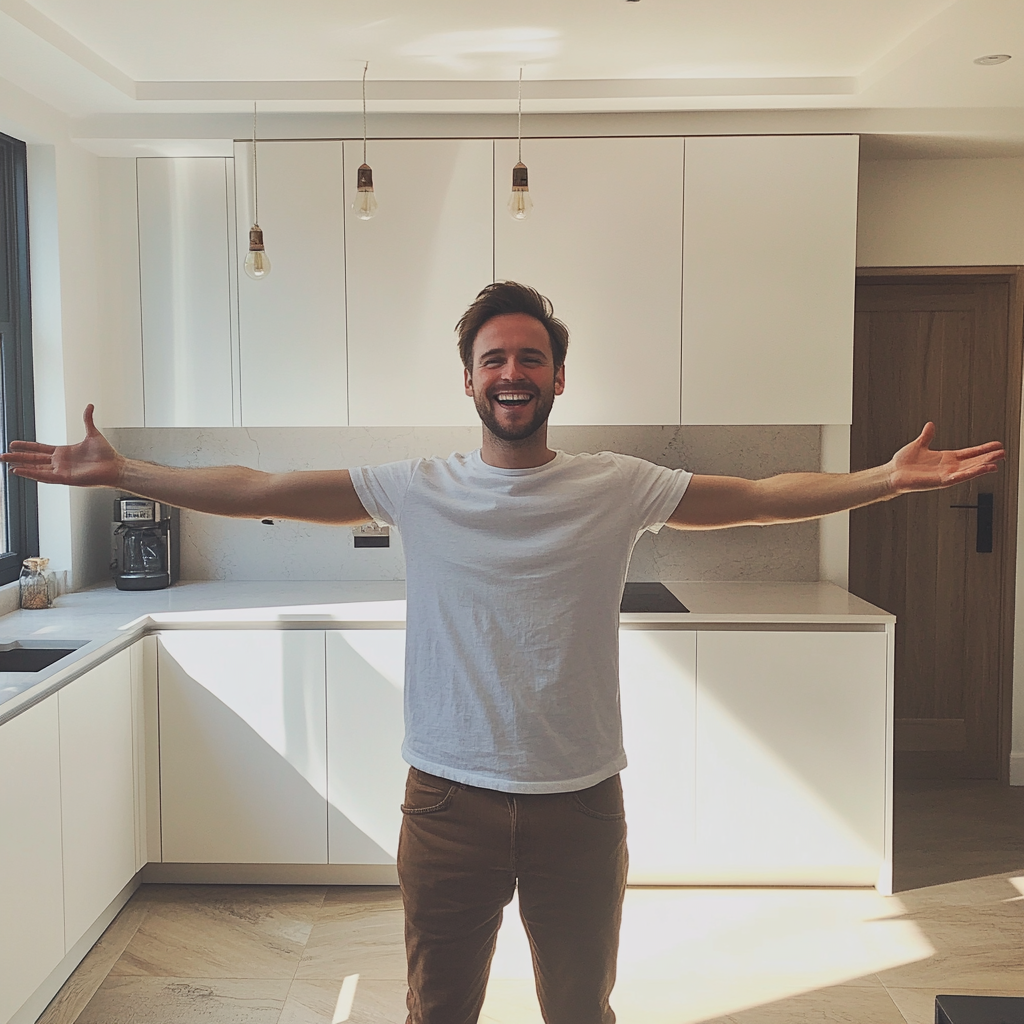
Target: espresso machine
x: 145, y: 544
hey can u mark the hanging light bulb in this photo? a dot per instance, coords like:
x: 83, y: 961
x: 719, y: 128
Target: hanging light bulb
x: 257, y: 262
x: 365, y: 204
x: 519, y: 202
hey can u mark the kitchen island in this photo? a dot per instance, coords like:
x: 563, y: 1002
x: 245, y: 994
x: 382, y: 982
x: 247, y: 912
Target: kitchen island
x: 250, y: 732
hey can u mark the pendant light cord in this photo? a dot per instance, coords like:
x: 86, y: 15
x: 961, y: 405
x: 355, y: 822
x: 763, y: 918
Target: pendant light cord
x: 366, y: 67
x: 520, y: 129
x: 255, y: 174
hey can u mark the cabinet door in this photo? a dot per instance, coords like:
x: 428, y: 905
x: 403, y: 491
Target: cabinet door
x: 145, y: 730
x: 97, y: 779
x: 292, y: 323
x: 242, y: 747
x: 604, y: 244
x: 769, y: 257
x: 791, y: 756
x: 656, y: 669
x: 365, y: 729
x: 31, y: 883
x: 186, y: 249
x: 412, y: 270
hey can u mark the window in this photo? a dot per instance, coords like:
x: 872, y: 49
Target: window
x: 19, y: 524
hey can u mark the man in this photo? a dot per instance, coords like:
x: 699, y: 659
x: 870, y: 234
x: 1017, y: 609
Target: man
x: 516, y: 557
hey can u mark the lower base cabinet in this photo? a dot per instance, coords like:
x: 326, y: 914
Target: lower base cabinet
x: 31, y: 871
x: 756, y: 756
x: 365, y: 728
x: 243, y: 746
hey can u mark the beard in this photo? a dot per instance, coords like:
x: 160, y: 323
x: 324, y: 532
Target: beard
x: 542, y: 404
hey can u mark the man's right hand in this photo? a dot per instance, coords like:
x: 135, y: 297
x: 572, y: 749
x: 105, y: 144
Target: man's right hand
x: 93, y: 462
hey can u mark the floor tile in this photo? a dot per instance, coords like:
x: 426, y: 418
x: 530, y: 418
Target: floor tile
x: 186, y: 1001
x: 222, y: 932
x: 375, y: 1002
x: 841, y: 1004
x: 357, y: 932
x: 76, y: 992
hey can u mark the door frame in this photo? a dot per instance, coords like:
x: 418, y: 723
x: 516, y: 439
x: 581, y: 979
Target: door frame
x: 1013, y: 276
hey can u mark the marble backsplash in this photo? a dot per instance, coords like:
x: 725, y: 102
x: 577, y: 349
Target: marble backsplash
x: 214, y: 548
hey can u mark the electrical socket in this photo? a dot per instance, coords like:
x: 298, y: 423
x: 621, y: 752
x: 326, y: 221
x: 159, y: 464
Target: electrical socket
x: 371, y: 535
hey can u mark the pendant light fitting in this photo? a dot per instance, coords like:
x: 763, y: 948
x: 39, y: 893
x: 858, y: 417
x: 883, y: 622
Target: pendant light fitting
x: 365, y: 204
x: 257, y: 262
x: 519, y: 202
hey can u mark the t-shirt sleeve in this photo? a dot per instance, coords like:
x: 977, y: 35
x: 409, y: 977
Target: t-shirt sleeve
x: 382, y: 489
x: 656, y: 490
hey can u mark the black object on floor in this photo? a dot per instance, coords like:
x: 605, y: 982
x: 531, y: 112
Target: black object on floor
x: 650, y: 597
x: 979, y: 1010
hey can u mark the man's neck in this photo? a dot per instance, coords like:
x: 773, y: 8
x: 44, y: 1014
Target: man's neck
x: 531, y: 452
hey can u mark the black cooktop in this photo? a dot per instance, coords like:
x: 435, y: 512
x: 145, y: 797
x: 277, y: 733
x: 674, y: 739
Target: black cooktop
x: 650, y: 597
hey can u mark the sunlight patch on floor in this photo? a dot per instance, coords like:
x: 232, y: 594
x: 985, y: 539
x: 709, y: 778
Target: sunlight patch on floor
x: 692, y: 954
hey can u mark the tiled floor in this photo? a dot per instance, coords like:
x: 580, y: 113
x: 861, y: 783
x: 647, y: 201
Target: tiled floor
x: 317, y: 954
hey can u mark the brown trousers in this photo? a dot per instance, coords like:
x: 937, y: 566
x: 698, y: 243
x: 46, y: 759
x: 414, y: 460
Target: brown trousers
x: 461, y: 855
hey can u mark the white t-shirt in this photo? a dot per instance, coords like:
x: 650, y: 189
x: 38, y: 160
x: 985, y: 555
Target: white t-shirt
x: 513, y: 583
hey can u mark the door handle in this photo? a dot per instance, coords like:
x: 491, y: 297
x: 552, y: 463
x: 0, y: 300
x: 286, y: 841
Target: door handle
x: 986, y: 510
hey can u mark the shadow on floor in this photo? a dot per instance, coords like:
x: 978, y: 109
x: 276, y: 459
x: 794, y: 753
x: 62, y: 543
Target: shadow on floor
x: 949, y: 830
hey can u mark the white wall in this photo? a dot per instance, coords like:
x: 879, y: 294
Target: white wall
x: 919, y: 213
x: 75, y: 353
x: 952, y: 213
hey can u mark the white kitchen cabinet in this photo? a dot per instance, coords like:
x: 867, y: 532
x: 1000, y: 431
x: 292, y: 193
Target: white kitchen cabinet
x: 769, y: 255
x: 365, y: 728
x: 146, y: 733
x: 411, y: 272
x: 604, y: 243
x: 97, y: 783
x: 292, y: 322
x: 243, y: 774
x: 791, y: 756
x: 31, y: 877
x: 657, y: 670
x: 186, y: 264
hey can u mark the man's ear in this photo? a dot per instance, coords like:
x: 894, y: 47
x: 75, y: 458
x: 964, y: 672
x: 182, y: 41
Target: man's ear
x: 560, y: 379
x: 469, y: 382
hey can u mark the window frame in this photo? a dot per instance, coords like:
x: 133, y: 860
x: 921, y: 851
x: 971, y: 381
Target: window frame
x: 16, y: 377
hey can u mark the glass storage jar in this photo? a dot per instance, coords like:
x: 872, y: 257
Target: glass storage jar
x: 34, y: 586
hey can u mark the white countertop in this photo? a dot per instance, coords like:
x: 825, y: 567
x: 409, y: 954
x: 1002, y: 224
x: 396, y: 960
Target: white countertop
x: 102, y: 620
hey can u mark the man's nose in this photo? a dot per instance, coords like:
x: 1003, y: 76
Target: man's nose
x: 512, y: 371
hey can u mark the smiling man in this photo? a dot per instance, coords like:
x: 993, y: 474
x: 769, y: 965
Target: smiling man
x: 515, y: 561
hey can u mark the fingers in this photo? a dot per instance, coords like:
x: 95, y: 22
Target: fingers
x: 993, y: 447
x: 32, y: 446
x: 90, y: 427
x: 926, y: 435
x: 26, y: 459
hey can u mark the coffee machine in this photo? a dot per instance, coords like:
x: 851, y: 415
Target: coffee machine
x: 145, y: 544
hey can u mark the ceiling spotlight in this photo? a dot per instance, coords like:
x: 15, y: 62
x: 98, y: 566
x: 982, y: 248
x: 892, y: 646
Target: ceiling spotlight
x: 992, y: 58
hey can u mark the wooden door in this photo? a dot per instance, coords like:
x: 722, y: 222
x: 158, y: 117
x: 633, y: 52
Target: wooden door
x: 940, y: 350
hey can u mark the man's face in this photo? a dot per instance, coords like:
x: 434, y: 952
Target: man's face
x: 513, y: 381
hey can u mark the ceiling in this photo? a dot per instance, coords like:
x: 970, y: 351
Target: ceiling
x: 93, y: 58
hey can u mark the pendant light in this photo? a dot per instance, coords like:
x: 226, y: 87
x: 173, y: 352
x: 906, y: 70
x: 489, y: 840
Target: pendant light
x: 257, y: 262
x: 519, y: 202
x: 365, y: 205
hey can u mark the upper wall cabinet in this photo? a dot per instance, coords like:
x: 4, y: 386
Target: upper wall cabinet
x: 186, y: 248
x: 292, y: 323
x: 411, y: 272
x: 603, y: 243
x: 769, y: 255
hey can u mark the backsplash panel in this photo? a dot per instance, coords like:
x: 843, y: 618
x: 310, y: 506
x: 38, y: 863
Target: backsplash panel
x: 238, y: 549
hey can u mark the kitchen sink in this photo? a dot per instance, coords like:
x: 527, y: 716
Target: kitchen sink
x: 18, y: 657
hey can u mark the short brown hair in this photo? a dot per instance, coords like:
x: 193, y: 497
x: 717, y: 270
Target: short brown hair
x: 502, y: 298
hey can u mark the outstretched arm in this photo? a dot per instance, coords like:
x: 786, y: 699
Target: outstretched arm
x: 711, y: 502
x: 317, y: 497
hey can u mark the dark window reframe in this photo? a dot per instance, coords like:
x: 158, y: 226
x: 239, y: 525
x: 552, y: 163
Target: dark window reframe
x: 18, y: 394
